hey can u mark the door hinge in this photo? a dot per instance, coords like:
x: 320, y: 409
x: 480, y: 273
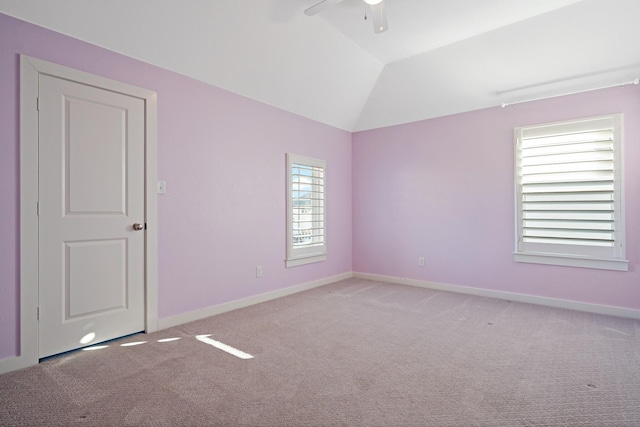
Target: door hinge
x: 38, y: 313
x: 38, y: 104
x: 38, y: 208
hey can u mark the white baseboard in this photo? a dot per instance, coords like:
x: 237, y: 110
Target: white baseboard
x: 531, y: 299
x: 192, y: 316
x: 15, y: 363
x: 20, y: 362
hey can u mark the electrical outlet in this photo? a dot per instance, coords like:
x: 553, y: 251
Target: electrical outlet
x: 421, y: 261
x: 259, y: 271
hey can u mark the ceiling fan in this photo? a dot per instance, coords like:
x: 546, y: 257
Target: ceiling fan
x: 375, y: 10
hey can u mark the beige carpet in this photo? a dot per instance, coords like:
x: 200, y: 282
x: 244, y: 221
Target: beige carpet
x: 354, y: 353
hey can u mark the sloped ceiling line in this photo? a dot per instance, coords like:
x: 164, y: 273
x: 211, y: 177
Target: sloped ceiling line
x: 439, y: 57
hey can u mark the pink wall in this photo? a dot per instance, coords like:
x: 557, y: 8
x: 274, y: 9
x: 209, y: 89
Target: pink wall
x: 223, y: 157
x: 440, y: 188
x: 444, y: 189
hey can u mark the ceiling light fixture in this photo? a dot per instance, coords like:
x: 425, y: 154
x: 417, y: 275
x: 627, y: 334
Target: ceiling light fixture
x: 374, y: 8
x: 378, y: 14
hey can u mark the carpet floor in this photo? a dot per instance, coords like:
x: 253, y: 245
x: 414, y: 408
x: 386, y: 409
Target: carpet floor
x: 353, y: 353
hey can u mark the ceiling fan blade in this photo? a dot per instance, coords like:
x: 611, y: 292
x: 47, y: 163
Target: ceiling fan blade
x: 379, y: 17
x: 319, y: 7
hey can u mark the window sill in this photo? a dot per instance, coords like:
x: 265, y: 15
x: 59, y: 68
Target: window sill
x: 306, y: 260
x: 552, y: 259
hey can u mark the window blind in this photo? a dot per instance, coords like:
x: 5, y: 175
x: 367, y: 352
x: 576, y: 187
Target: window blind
x: 307, y: 192
x: 306, y: 210
x: 569, y: 193
x: 568, y: 186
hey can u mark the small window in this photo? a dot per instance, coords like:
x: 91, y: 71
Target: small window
x: 569, y: 198
x: 306, y: 210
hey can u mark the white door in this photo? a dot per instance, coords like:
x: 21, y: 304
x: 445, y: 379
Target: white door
x: 91, y: 193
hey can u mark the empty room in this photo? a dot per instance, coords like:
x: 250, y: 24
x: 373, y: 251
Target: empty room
x: 320, y: 213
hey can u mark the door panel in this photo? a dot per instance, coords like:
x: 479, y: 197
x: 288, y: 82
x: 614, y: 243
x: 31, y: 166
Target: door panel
x: 95, y: 279
x: 88, y: 192
x: 91, y: 267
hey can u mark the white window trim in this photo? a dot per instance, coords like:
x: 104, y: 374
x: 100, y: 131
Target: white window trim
x: 557, y: 257
x: 302, y: 256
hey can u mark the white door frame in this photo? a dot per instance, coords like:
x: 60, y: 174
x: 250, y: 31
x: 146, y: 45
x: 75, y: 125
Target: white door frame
x: 30, y: 69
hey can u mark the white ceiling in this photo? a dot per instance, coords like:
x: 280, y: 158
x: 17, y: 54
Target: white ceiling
x: 438, y: 57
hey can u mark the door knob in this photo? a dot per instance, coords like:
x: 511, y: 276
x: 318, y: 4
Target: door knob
x: 138, y: 227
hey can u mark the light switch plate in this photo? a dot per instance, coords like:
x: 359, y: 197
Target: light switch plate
x: 162, y: 187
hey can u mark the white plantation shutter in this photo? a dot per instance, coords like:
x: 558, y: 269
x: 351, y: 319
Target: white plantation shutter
x: 306, y: 207
x: 569, y: 193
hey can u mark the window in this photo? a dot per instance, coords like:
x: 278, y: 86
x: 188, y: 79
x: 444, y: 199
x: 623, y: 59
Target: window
x: 569, y: 198
x: 306, y: 210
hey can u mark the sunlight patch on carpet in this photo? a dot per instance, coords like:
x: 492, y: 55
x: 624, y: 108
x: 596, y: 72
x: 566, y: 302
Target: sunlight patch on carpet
x: 131, y: 344
x: 224, y: 347
x: 169, y: 339
x: 95, y: 347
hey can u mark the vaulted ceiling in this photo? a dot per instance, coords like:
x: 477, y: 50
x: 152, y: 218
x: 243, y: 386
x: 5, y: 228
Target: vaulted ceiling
x: 438, y: 57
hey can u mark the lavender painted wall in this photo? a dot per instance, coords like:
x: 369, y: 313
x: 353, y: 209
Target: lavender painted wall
x: 444, y: 189
x: 440, y: 188
x: 223, y: 158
